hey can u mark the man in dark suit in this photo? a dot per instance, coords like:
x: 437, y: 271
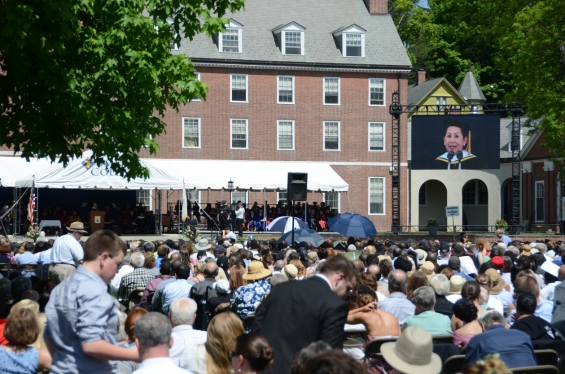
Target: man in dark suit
x: 298, y: 313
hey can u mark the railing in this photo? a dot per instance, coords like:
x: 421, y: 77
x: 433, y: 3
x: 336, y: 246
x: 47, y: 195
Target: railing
x: 518, y: 229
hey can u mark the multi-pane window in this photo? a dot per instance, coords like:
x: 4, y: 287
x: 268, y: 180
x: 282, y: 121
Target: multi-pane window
x: 331, y: 136
x: 281, y: 196
x: 376, y: 91
x: 540, y: 213
x: 239, y: 87
x: 376, y: 195
x: 376, y: 136
x: 239, y: 195
x: 193, y: 195
x: 285, y: 90
x: 441, y: 102
x: 230, y: 40
x: 143, y: 197
x: 293, y: 42
x: 238, y: 133
x: 331, y: 91
x: 191, y: 132
x: 353, y: 45
x: 475, y: 192
x: 332, y: 200
x: 285, y: 135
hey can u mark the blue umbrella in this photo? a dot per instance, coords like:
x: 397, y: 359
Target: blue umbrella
x: 303, y: 235
x: 284, y: 224
x: 352, y: 224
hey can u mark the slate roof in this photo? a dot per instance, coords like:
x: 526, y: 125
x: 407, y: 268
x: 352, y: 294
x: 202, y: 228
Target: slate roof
x: 470, y: 88
x: 383, y: 46
x: 505, y: 127
x: 416, y: 92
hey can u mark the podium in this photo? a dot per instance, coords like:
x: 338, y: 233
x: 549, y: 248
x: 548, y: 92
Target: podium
x: 96, y: 220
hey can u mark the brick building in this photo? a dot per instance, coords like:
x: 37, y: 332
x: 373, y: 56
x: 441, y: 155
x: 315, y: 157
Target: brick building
x: 303, y: 81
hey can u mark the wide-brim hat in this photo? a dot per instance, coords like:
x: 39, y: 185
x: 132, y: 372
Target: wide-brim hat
x: 290, y: 271
x: 77, y: 227
x: 498, y: 282
x: 456, y: 283
x: 526, y: 250
x: 202, y: 245
x: 412, y: 352
x: 255, y: 271
x: 428, y: 269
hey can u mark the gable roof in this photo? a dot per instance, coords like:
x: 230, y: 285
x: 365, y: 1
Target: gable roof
x: 419, y: 91
x: 383, y: 47
x: 470, y: 88
x: 505, y: 124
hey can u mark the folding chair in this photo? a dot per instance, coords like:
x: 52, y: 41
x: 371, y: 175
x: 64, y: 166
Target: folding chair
x: 543, y: 369
x: 248, y: 321
x: 453, y: 364
x: 442, y: 339
x: 134, y: 298
x: 546, y: 357
x: 374, y: 346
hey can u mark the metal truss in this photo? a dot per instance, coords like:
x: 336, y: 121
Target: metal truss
x: 396, y: 109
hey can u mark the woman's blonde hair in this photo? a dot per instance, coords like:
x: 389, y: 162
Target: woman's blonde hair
x: 222, y: 332
x: 371, y: 250
x: 301, y: 269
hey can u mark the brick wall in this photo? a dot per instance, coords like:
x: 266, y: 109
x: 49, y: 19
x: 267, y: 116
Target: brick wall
x: 549, y: 179
x: 377, y: 6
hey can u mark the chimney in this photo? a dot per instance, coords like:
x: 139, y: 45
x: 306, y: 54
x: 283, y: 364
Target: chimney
x: 421, y: 76
x: 377, y: 6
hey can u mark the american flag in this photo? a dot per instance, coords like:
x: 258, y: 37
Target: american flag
x: 31, y: 204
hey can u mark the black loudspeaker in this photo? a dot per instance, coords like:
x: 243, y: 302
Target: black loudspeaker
x: 297, y: 186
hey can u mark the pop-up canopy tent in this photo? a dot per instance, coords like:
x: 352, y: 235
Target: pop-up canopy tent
x: 83, y: 174
x: 249, y: 175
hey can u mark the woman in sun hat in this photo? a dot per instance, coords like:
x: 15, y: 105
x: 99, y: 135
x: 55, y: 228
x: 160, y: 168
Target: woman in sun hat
x: 247, y: 298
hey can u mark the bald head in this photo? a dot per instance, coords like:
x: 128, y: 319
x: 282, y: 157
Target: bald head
x: 561, y: 275
x: 211, y: 270
x: 375, y: 270
x: 432, y: 256
x: 397, y: 280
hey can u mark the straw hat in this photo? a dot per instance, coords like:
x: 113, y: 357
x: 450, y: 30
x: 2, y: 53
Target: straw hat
x: 255, y: 271
x: 526, y: 250
x: 290, y: 271
x: 456, y: 284
x: 498, y: 283
x: 428, y: 269
x: 203, y: 245
x: 412, y: 353
x: 77, y: 227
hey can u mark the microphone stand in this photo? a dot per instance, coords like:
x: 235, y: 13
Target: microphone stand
x: 209, y: 218
x: 459, y: 157
x: 450, y: 155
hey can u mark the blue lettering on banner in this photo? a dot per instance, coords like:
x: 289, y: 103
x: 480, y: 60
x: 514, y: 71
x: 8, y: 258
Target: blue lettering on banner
x: 102, y: 171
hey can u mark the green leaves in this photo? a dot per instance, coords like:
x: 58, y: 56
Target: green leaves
x: 97, y: 74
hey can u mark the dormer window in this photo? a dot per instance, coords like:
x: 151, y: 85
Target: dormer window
x: 230, y: 41
x: 290, y: 38
x: 351, y: 40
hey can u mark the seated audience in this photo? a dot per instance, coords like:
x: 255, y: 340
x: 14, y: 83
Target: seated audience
x: 214, y: 355
x: 180, y: 287
x: 17, y: 357
x: 222, y: 300
x: 306, y: 354
x: 251, y: 354
x: 397, y: 304
x: 425, y: 316
x: 333, y: 362
x: 471, y: 291
x: 466, y: 311
x: 182, y: 314
x: 378, y: 323
x: 138, y: 278
x: 523, y: 284
x: 128, y: 367
x: 440, y: 285
x: 153, y: 340
x: 246, y: 298
x: 416, y: 280
x: 515, y: 347
x: 526, y: 320
x: 165, y: 270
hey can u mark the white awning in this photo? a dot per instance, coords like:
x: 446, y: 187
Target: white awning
x: 16, y: 168
x: 81, y: 173
x: 249, y: 175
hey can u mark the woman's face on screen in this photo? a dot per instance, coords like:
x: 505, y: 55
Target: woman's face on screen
x: 454, y: 140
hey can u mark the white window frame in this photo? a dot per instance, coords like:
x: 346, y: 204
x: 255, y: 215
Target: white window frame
x: 197, y: 74
x: 439, y: 105
x: 232, y: 25
x: 189, y: 194
x: 279, y: 196
x: 238, y: 191
x: 344, y: 43
x: 369, y: 197
x: 338, y: 136
x: 199, y: 132
x: 384, y: 91
x: 278, y: 88
x: 369, y: 136
x: 283, y: 42
x: 246, y: 132
x: 278, y: 135
x: 338, y: 90
x: 246, y: 88
x: 338, y: 200
x: 142, y: 199
x: 536, y: 184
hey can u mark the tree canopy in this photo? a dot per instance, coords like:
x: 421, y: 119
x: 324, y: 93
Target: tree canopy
x: 98, y: 75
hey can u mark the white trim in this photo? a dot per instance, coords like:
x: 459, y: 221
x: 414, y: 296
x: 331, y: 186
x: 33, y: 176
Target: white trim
x: 246, y: 202
x: 338, y: 90
x: 338, y: 136
x: 536, y: 184
x: 197, y: 73
x: 246, y: 87
x: 199, y: 132
x: 283, y: 42
x: 246, y: 132
x: 344, y: 43
x: 338, y: 199
x: 278, y: 88
x: 293, y: 135
x: 338, y: 69
x: 369, y: 136
x: 369, y: 197
x: 149, y: 198
x: 232, y: 25
x: 384, y: 92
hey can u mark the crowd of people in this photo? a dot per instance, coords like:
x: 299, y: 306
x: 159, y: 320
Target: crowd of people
x: 108, y: 306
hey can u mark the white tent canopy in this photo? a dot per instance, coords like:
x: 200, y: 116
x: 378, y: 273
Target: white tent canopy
x: 81, y: 173
x: 14, y: 168
x: 249, y: 175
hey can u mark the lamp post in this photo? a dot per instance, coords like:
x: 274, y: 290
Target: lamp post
x: 230, y: 189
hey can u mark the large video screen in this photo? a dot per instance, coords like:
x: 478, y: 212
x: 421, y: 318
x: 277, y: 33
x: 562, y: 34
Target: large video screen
x: 456, y: 142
